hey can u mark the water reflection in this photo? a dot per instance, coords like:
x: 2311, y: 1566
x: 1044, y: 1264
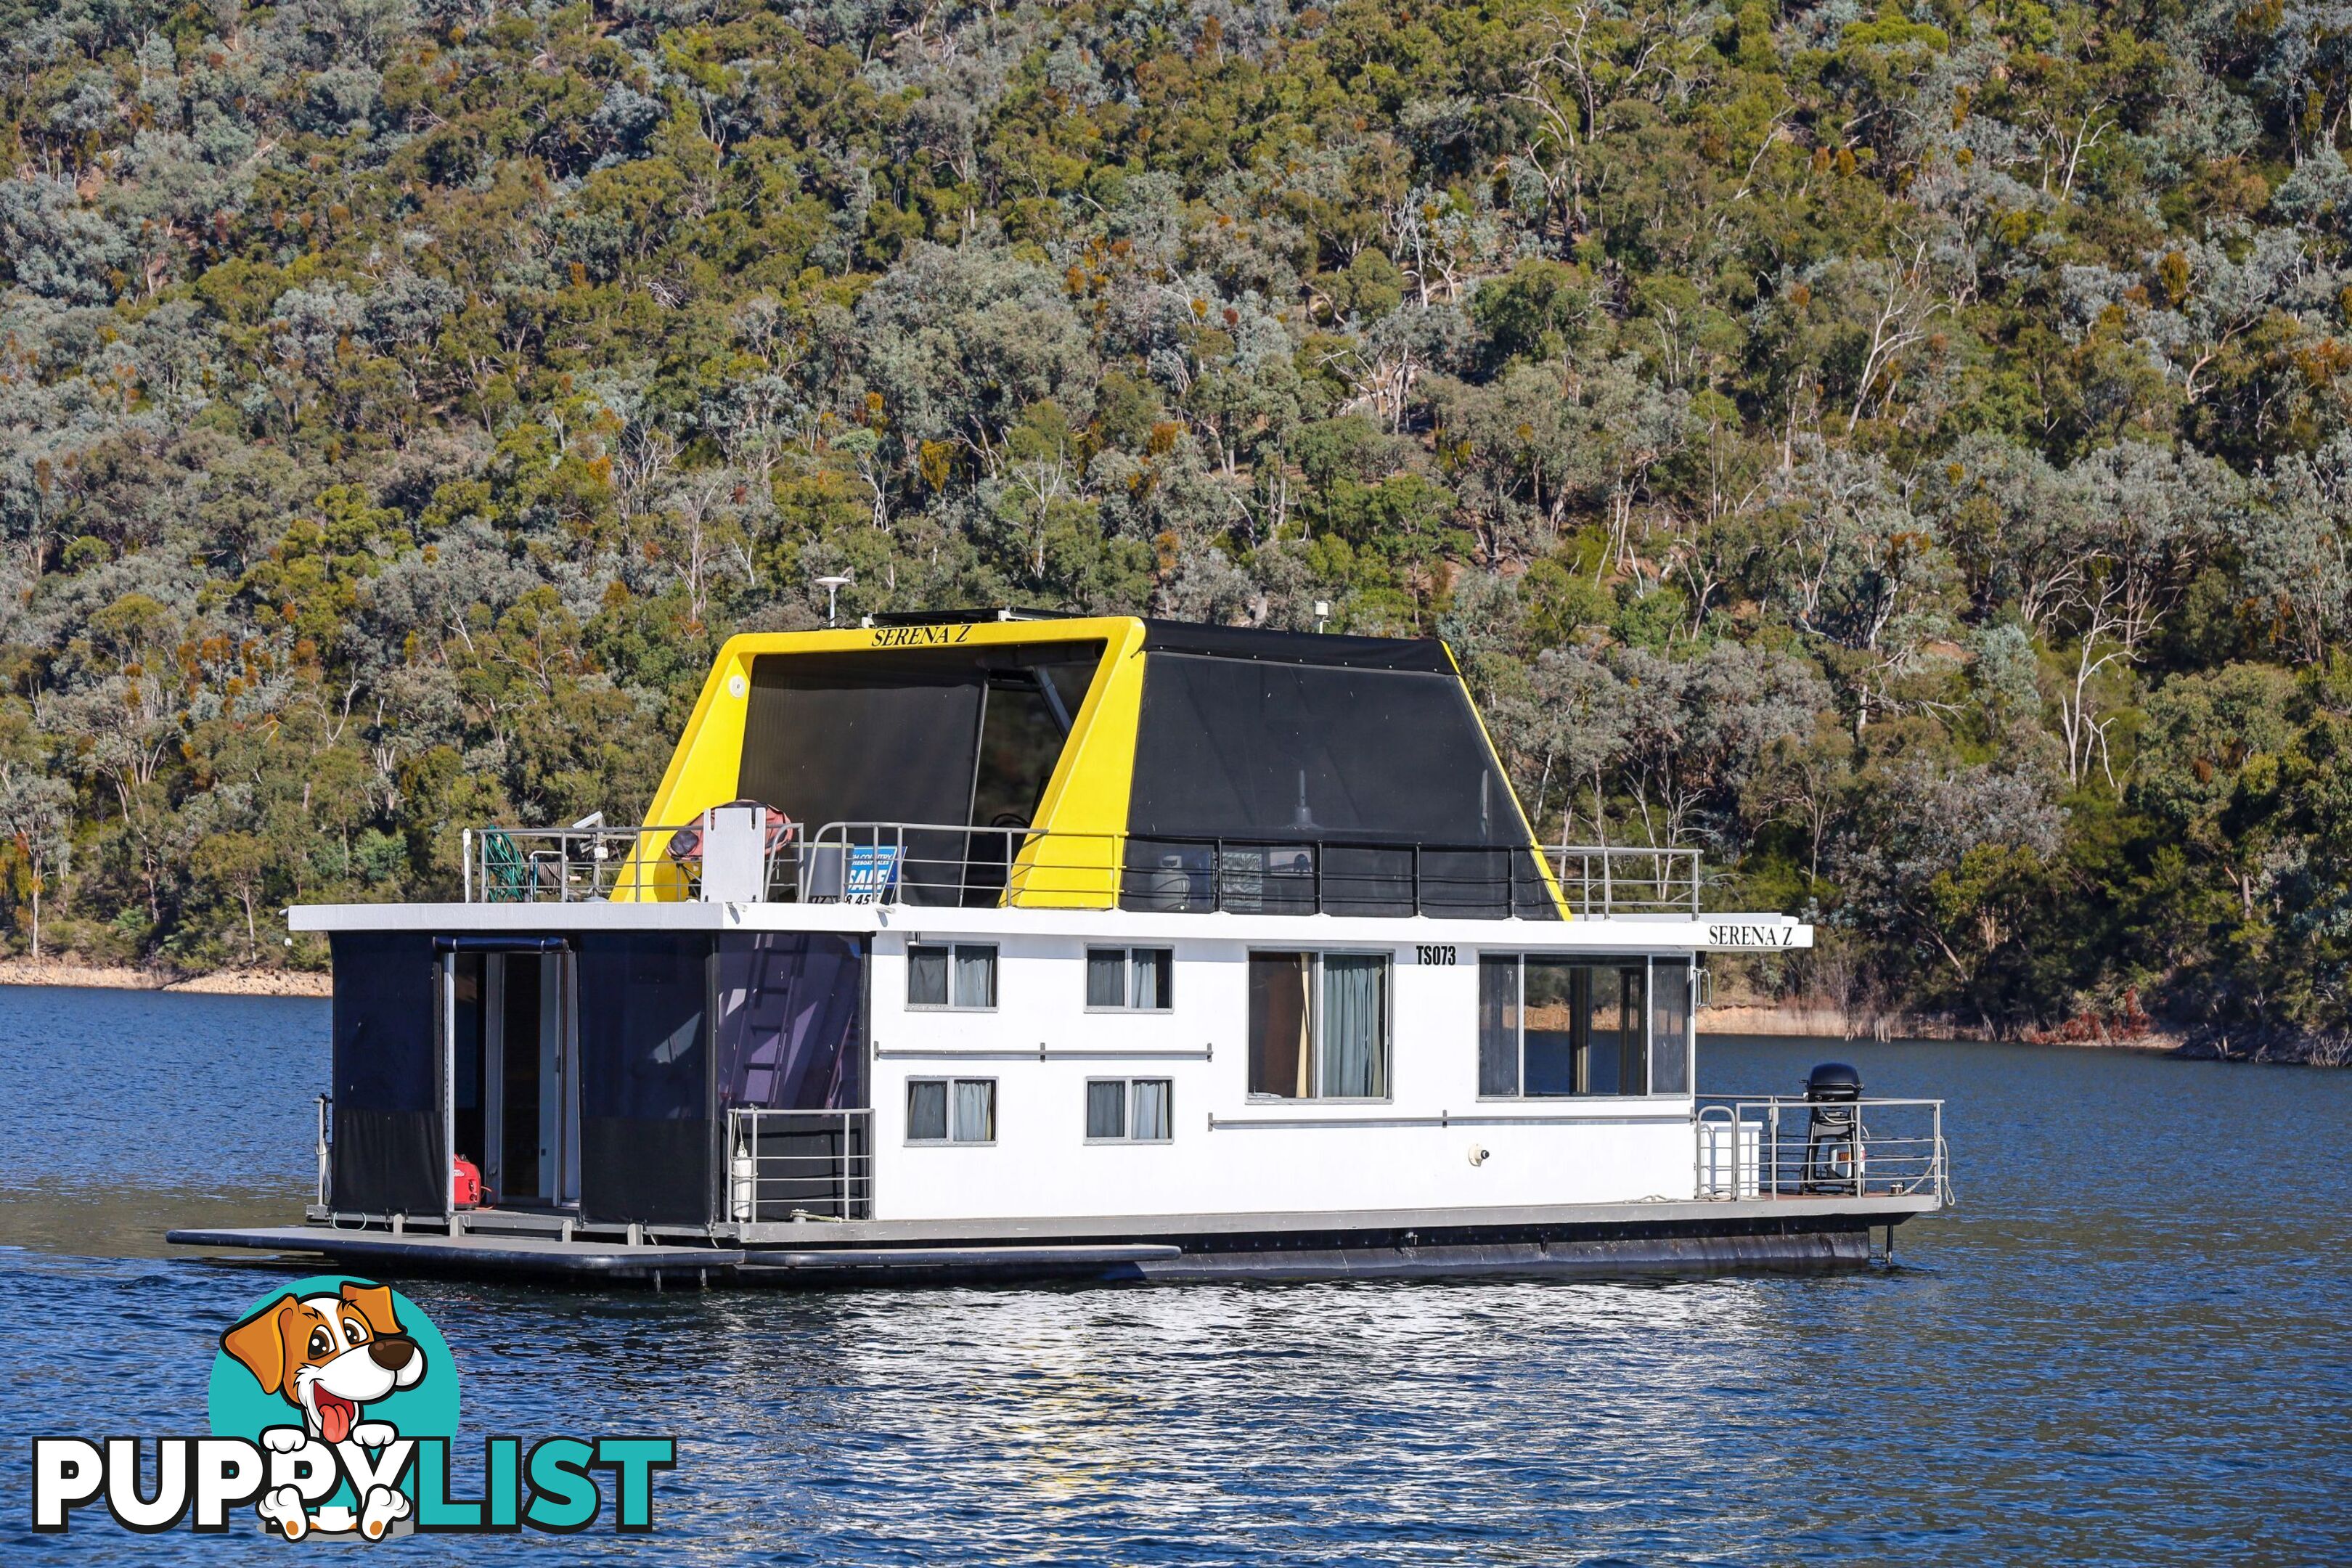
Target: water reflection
x: 1310, y: 1421
x: 129, y: 1222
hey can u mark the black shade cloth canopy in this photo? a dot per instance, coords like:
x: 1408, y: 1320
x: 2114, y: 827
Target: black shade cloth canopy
x: 1250, y: 748
x: 887, y: 735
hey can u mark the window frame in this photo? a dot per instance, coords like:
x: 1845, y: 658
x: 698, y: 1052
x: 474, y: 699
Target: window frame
x: 951, y: 1141
x: 1127, y: 1110
x: 952, y: 947
x: 1314, y: 1026
x: 1127, y: 952
x: 1649, y: 964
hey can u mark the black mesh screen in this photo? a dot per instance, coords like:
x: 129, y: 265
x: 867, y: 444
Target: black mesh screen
x: 792, y: 1008
x: 1283, y: 788
x: 951, y: 735
x: 895, y: 735
x: 863, y: 737
x: 387, y: 1156
x: 1251, y: 748
x: 645, y: 1077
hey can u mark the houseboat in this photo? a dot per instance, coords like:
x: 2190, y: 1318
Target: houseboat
x: 1001, y: 945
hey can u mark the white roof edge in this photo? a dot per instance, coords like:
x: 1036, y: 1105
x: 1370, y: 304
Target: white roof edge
x: 1708, y: 934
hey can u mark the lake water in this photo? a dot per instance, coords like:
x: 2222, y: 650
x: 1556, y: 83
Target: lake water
x: 2131, y: 1344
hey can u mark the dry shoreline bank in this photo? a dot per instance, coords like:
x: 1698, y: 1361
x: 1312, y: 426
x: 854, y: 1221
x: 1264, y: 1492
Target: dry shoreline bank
x: 1826, y: 1020
x: 124, y: 977
x: 2135, y: 1032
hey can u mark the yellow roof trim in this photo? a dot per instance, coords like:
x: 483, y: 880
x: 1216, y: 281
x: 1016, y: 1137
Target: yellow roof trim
x: 1083, y: 813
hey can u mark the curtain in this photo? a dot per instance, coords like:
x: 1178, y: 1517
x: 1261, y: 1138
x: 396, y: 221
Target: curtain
x: 975, y: 976
x: 1105, y: 977
x: 975, y: 1110
x: 1106, y: 1108
x: 1150, y: 968
x: 863, y: 737
x: 1355, y: 1044
x: 645, y: 1077
x: 1151, y: 1110
x: 1281, y: 752
x: 927, y: 1111
x: 389, y: 1153
x: 642, y: 997
x: 926, y: 977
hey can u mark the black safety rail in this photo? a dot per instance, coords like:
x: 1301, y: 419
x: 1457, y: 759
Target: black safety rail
x: 940, y: 865
x: 1456, y: 881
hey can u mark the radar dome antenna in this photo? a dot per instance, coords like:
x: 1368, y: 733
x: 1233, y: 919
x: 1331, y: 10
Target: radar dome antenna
x: 833, y: 586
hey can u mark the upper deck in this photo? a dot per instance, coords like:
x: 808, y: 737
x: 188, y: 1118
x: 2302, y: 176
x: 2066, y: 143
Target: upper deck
x: 1074, y: 764
x: 986, y: 761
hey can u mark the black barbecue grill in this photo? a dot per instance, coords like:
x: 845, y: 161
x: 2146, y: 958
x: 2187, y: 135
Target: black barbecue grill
x: 1835, y: 1137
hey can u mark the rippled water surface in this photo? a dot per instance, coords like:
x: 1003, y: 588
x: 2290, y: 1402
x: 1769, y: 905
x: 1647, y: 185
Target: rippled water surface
x: 2131, y: 1344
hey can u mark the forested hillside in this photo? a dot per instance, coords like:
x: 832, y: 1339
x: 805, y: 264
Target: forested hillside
x: 1904, y: 453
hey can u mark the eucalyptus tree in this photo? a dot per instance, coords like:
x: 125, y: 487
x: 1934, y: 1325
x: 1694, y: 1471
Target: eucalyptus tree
x: 2297, y: 549
x: 37, y: 822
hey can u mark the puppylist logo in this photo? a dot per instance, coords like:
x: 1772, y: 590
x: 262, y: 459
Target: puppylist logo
x: 334, y: 1406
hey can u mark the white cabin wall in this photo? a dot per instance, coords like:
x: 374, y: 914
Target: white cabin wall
x: 1584, y: 1151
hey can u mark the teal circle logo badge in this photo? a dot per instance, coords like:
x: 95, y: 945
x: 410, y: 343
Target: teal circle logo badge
x: 333, y: 1403
x: 328, y: 1368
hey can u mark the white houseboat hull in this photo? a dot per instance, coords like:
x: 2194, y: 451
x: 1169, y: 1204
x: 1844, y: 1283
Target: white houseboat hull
x: 1429, y: 1178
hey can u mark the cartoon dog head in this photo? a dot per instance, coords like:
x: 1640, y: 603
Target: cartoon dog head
x: 328, y: 1355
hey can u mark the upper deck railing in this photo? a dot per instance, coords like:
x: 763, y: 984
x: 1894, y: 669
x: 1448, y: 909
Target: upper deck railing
x: 572, y: 865
x: 946, y: 865
x: 1628, y: 879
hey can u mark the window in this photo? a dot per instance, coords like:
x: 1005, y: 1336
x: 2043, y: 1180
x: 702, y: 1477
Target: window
x: 1550, y: 1026
x: 1129, y: 979
x: 1318, y: 1026
x: 958, y: 975
x: 1129, y: 1110
x: 952, y: 1110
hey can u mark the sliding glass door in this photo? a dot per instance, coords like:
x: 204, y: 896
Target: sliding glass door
x: 1555, y: 1025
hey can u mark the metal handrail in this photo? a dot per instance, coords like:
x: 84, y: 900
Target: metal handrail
x: 959, y: 865
x: 785, y: 1165
x: 326, y: 1150
x: 584, y: 864
x: 1756, y: 1147
x: 953, y: 864
x: 1628, y: 879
